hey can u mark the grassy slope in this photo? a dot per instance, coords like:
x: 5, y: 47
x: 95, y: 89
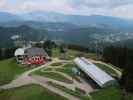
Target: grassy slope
x: 55, y: 52
x: 110, y: 93
x: 67, y: 69
x: 56, y: 64
x: 107, y: 69
x: 69, y: 55
x: 31, y: 92
x: 9, y: 70
x: 54, y: 76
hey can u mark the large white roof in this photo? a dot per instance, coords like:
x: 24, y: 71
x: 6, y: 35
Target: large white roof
x: 95, y: 73
x: 19, y: 51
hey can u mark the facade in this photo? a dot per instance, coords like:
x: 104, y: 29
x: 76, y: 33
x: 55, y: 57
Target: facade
x: 31, y: 56
x: 96, y: 74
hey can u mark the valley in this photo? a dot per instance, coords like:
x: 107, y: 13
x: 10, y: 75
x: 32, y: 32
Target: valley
x: 46, y: 55
x: 69, y: 29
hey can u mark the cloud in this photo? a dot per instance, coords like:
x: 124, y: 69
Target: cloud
x: 100, y: 3
x: 48, y: 5
x: 124, y: 11
x: 120, y: 8
x: 2, y: 3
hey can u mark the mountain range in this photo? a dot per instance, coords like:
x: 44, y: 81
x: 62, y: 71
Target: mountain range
x: 74, y: 29
x: 82, y: 21
x: 82, y: 36
x: 5, y: 17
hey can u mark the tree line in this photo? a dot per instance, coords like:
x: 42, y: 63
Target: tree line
x: 121, y: 57
x: 6, y: 53
x: 48, y: 45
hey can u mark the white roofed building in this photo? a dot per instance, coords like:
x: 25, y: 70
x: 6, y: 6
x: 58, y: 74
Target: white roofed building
x: 31, y: 55
x: 19, y: 51
x: 19, y: 54
x: 96, y: 74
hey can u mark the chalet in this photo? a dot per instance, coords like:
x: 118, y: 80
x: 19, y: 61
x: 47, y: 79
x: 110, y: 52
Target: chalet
x: 31, y: 55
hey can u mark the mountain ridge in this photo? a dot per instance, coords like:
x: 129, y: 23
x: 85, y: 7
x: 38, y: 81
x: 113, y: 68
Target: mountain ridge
x: 82, y: 21
x: 5, y: 17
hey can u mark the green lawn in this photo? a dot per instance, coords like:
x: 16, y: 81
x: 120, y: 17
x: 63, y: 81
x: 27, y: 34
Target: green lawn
x: 110, y: 93
x: 69, y: 72
x: 48, y: 69
x: 69, y: 55
x: 31, y: 92
x: 67, y: 69
x: 9, y: 70
x: 107, y: 69
x: 69, y: 65
x: 54, y: 76
x: 56, y: 64
x: 55, y: 52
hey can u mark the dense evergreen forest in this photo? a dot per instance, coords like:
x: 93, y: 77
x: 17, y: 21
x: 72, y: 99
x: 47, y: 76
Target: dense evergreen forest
x: 123, y: 58
x: 6, y: 53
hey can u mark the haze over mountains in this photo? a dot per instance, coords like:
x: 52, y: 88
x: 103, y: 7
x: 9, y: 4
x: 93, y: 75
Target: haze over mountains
x: 69, y: 28
x: 5, y: 17
x: 93, y: 20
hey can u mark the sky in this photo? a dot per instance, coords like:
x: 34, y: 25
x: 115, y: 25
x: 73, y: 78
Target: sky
x: 116, y: 8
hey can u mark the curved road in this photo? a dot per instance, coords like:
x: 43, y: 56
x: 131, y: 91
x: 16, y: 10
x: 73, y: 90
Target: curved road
x: 26, y: 79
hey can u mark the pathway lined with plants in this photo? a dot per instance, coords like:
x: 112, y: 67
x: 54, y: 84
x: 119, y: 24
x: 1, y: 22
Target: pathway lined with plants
x: 83, y: 85
x: 26, y: 78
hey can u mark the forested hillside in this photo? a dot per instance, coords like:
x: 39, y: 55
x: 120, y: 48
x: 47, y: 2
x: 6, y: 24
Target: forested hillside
x: 26, y: 32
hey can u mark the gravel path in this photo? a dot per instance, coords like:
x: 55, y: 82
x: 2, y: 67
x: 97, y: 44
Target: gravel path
x: 43, y: 82
x: 84, y: 85
x: 25, y: 79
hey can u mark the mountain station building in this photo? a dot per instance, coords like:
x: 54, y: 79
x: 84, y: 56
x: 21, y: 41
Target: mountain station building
x: 31, y: 55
